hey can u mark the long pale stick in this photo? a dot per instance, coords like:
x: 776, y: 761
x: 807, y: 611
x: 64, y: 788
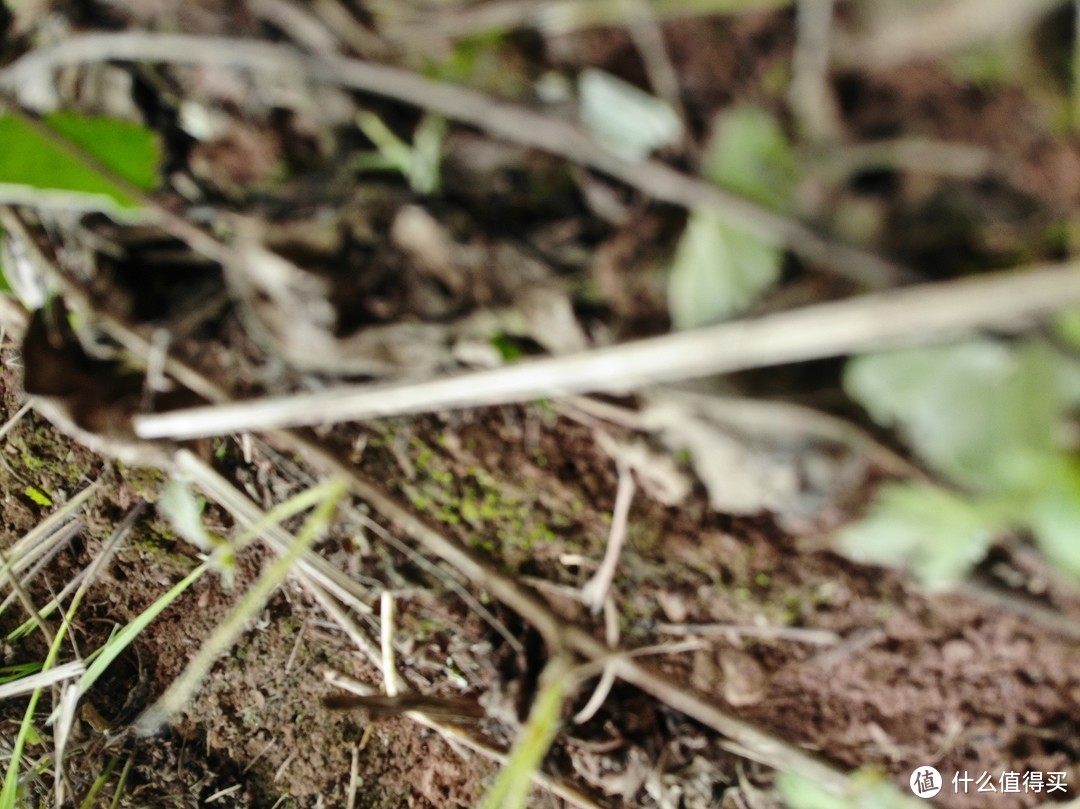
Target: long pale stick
x: 908, y: 316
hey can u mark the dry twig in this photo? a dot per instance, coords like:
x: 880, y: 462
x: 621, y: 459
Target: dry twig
x: 911, y: 316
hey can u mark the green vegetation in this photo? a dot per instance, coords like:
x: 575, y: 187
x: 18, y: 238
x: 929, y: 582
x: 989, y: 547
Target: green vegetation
x: 719, y: 270
x: 419, y: 163
x: 498, y: 518
x: 985, y: 416
x: 38, y: 496
x: 72, y: 160
x: 868, y: 790
x: 512, y: 786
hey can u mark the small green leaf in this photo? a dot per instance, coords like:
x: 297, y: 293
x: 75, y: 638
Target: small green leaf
x: 977, y: 411
x: 749, y: 155
x: 507, y: 348
x: 627, y: 119
x: 427, y: 155
x: 38, y: 496
x: 938, y: 535
x: 14, y: 672
x: 802, y: 793
x: 718, y: 271
x: 419, y: 163
x: 184, y: 511
x: 36, y: 170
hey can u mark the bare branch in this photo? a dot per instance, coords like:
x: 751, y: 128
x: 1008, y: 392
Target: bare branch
x: 916, y: 315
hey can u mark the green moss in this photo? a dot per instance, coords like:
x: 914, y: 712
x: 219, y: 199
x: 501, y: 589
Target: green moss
x: 502, y: 521
x: 146, y: 481
x: 424, y: 459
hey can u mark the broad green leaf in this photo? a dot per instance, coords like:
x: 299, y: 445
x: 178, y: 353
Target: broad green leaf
x: 940, y: 536
x: 627, y: 119
x: 130, y: 150
x: 35, y: 170
x: 718, y: 271
x: 977, y: 411
x: 1054, y: 514
x: 749, y: 155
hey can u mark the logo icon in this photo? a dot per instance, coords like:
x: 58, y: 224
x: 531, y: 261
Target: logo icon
x: 925, y: 782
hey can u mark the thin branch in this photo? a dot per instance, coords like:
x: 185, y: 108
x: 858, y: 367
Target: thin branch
x: 912, y: 31
x: 595, y: 591
x: 809, y: 95
x: 817, y: 637
x: 648, y: 38
x: 387, y: 620
x: 911, y: 316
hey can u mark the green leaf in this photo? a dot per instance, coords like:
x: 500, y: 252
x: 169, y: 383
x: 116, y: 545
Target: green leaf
x: 5, y: 287
x: 718, y: 271
x: 419, y: 163
x: 749, y: 155
x: 1054, y: 514
x: 867, y: 790
x: 511, y: 787
x: 979, y: 411
x: 937, y: 534
x: 627, y: 119
x: 36, y: 170
x: 1066, y: 326
x: 184, y: 511
x: 801, y: 793
x: 38, y: 496
x: 130, y: 150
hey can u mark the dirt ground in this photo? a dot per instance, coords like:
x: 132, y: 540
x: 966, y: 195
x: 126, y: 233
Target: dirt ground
x: 852, y: 664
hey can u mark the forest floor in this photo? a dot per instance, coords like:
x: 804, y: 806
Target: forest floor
x: 750, y: 609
